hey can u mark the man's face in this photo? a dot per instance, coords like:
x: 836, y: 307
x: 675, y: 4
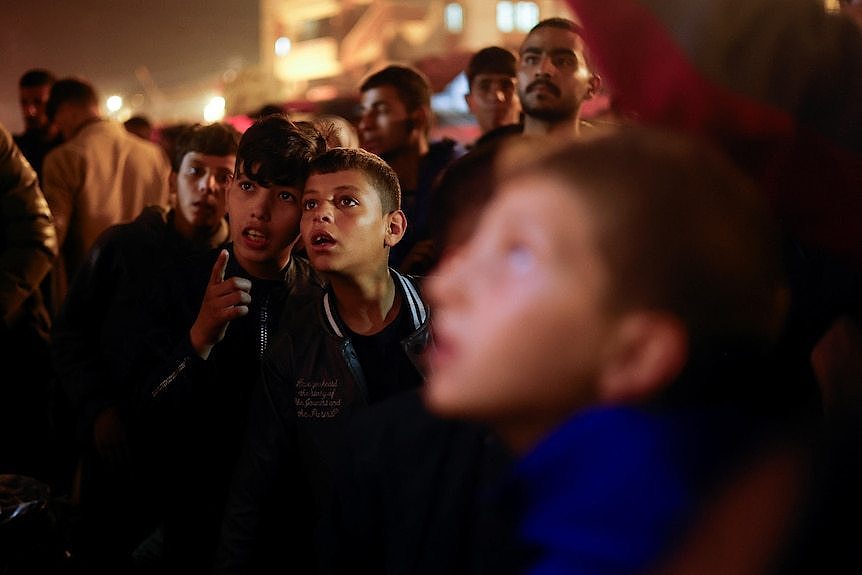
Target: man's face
x: 492, y: 100
x: 264, y: 225
x: 343, y: 225
x: 201, y: 184
x: 553, y: 78
x: 521, y: 327
x: 33, y: 100
x: 385, y: 127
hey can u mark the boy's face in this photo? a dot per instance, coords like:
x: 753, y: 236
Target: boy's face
x: 384, y: 126
x: 553, y: 78
x: 343, y: 225
x: 200, y: 187
x: 264, y: 225
x: 492, y: 100
x: 520, y: 328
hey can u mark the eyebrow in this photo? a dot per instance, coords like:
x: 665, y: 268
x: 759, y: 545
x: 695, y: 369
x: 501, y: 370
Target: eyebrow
x: 553, y: 52
x: 341, y: 188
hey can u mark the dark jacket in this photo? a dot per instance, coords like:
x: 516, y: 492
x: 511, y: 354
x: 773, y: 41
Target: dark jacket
x: 311, y: 385
x: 28, y: 246
x: 196, y: 409
x: 106, y: 300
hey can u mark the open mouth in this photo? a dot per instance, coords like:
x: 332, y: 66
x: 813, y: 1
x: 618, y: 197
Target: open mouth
x: 322, y: 239
x: 254, y: 235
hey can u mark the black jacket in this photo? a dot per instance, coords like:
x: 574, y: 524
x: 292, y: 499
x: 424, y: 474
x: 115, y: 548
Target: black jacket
x: 312, y: 384
x: 195, y: 410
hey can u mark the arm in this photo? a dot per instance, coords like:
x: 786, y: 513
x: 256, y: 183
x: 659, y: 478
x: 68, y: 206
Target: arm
x: 29, y: 245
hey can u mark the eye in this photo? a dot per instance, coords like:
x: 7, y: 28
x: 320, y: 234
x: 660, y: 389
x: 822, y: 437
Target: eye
x: 286, y: 196
x: 347, y: 202
x: 565, y: 62
x: 520, y: 257
x: 529, y: 59
x: 195, y: 171
x: 224, y: 177
x: 309, y: 204
x: 246, y: 186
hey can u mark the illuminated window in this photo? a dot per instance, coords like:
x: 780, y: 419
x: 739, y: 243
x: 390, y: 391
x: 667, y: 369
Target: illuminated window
x: 505, y: 17
x: 520, y: 16
x: 526, y: 15
x: 454, y: 17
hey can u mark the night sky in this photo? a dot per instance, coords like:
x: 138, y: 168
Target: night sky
x: 183, y: 43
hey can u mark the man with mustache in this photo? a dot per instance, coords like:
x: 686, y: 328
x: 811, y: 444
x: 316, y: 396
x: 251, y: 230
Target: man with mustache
x: 554, y: 78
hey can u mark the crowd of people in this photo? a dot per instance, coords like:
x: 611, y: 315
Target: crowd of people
x: 621, y: 346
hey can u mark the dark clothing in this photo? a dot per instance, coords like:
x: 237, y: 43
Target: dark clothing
x: 416, y: 204
x: 499, y: 132
x: 35, y: 145
x: 197, y: 408
x: 312, y: 384
x: 412, y: 494
x: 95, y: 359
x: 28, y: 246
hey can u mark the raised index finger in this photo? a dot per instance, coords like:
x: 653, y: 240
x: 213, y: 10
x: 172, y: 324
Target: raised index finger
x: 217, y: 275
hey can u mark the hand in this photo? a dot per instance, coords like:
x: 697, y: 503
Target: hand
x: 109, y: 435
x: 224, y: 300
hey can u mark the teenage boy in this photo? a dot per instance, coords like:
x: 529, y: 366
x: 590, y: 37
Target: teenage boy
x: 357, y: 343
x: 612, y: 326
x: 89, y: 340
x: 395, y: 122
x: 210, y: 333
x: 493, y: 99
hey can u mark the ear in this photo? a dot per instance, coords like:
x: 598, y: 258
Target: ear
x: 396, y: 225
x: 422, y: 119
x: 595, y: 83
x: 648, y: 353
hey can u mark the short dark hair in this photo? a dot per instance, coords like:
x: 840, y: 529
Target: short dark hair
x: 491, y: 60
x: 72, y: 90
x: 382, y: 177
x: 412, y: 86
x: 276, y: 151
x: 559, y: 23
x: 36, y: 77
x: 218, y: 139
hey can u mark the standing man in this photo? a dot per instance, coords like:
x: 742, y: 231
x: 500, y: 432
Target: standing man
x: 554, y: 78
x: 492, y: 77
x: 38, y: 137
x: 101, y: 175
x: 396, y: 119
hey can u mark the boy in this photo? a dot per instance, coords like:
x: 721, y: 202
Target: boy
x: 610, y: 326
x: 357, y: 343
x: 89, y: 340
x: 209, y: 335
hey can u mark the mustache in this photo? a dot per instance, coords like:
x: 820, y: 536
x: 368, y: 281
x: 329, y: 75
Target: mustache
x: 547, y: 84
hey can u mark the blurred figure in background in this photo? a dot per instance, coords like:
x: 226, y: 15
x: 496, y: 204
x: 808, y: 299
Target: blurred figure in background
x: 101, y: 175
x: 339, y: 132
x: 395, y: 122
x: 140, y: 126
x: 493, y: 99
x: 39, y: 136
x: 28, y: 246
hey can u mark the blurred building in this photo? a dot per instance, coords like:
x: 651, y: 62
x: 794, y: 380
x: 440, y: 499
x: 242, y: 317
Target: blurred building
x: 318, y: 50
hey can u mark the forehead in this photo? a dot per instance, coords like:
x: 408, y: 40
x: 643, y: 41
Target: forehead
x: 552, y: 40
x: 381, y: 95
x: 345, y: 180
x: 35, y: 92
x: 491, y: 77
x: 210, y: 160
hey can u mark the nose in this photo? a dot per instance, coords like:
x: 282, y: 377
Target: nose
x: 546, y: 66
x: 208, y: 182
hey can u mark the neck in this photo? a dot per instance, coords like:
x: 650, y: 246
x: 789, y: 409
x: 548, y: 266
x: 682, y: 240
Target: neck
x: 569, y: 125
x: 367, y: 305
x: 201, y: 237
